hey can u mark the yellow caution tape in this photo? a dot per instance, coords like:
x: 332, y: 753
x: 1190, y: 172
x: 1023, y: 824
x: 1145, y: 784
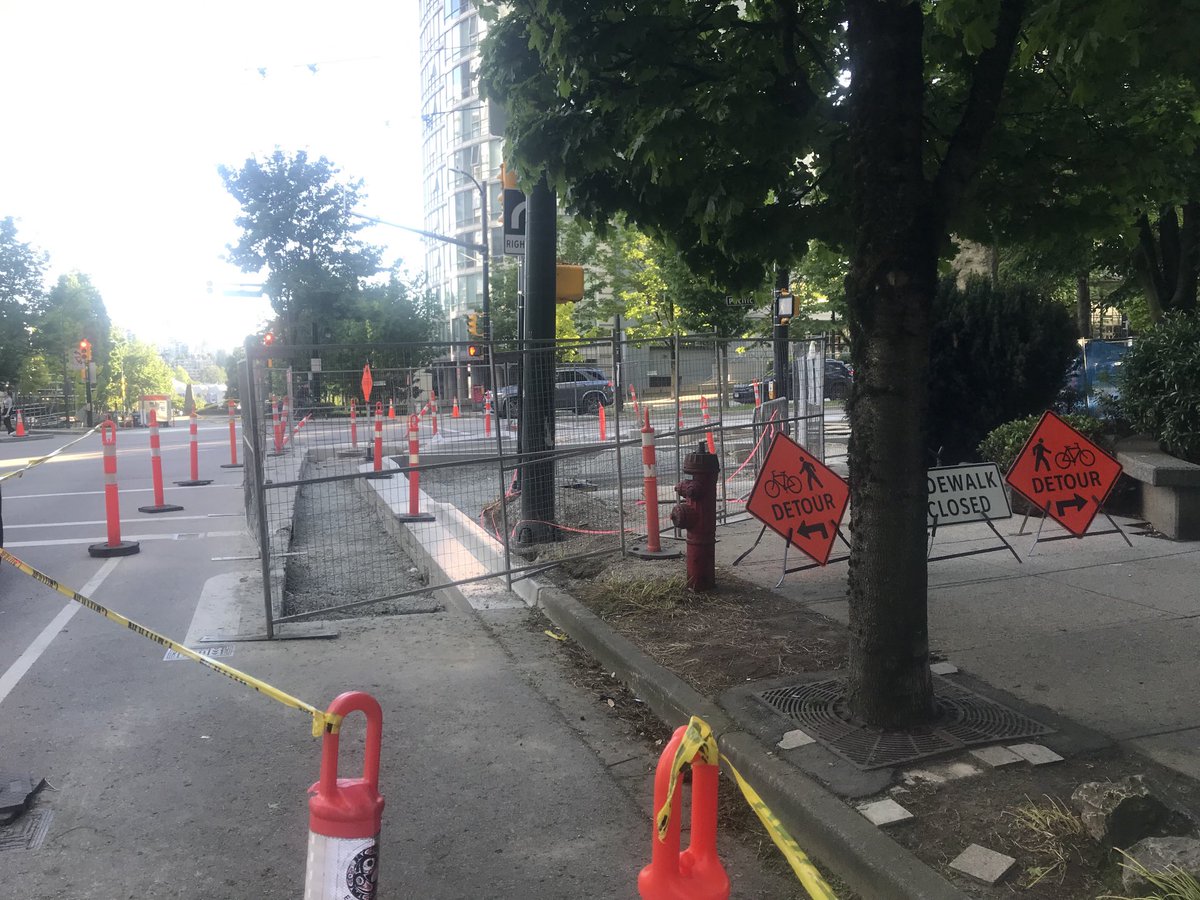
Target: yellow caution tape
x: 323, y: 722
x: 49, y: 456
x: 698, y: 739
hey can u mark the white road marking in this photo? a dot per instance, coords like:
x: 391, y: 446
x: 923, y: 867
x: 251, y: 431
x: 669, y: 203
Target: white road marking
x: 147, y: 490
x: 100, y: 539
x: 102, y: 522
x: 25, y: 661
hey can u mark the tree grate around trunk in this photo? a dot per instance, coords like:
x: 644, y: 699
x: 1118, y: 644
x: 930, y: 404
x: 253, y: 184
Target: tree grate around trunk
x: 962, y: 719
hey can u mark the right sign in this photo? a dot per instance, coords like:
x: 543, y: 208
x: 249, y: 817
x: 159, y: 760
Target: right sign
x: 1064, y: 474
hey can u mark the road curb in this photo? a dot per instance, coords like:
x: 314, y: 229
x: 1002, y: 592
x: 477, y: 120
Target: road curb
x: 866, y: 858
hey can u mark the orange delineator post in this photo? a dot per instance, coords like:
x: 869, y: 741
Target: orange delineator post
x: 454, y: 413
x: 160, y: 504
x: 414, y: 513
x: 379, y: 436
x: 757, y: 396
x: 433, y: 411
x: 20, y: 432
x: 112, y: 506
x: 708, y: 435
x: 650, y: 486
x: 487, y: 414
x: 194, y: 456
x: 697, y: 872
x: 233, y: 460
x: 277, y: 428
x: 637, y: 411
x: 353, y: 424
x: 603, y: 424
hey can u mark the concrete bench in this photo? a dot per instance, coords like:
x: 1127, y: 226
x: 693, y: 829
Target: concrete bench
x: 1170, y: 489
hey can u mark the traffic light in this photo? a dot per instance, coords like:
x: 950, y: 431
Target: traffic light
x: 85, y: 350
x: 568, y: 283
x: 473, y: 324
x: 268, y: 339
x: 474, y: 351
x: 785, y: 305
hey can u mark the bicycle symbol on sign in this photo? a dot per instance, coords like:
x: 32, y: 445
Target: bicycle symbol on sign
x: 781, y: 482
x: 1073, y: 454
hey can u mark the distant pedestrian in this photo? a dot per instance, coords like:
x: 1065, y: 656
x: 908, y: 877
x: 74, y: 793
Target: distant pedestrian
x: 6, y: 411
x: 1039, y: 455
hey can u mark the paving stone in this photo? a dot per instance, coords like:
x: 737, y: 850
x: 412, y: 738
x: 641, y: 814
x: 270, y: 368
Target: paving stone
x: 794, y: 739
x: 884, y: 812
x: 996, y: 756
x: 943, y: 668
x: 982, y: 864
x: 1037, y: 754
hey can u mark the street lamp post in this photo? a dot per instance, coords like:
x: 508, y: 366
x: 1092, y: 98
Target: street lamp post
x: 483, y: 249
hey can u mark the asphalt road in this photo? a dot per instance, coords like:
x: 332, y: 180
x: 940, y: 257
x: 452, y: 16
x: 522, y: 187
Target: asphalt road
x: 168, y: 780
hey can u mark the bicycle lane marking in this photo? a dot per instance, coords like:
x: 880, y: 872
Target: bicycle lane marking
x: 37, y: 647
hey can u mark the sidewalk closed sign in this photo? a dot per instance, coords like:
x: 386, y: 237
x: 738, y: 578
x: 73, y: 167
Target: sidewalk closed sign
x: 799, y: 498
x: 970, y: 493
x: 1064, y: 474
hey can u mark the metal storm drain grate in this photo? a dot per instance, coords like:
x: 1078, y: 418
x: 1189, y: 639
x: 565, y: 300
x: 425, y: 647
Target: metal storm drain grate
x: 963, y: 719
x: 27, y: 832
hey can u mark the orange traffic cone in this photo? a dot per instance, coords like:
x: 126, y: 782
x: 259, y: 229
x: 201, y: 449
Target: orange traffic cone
x: 391, y: 410
x: 20, y: 425
x: 454, y: 414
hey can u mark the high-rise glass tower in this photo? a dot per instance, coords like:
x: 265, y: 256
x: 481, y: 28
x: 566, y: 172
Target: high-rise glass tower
x: 455, y: 135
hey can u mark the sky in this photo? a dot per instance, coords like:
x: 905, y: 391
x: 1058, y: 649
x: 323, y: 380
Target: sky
x: 119, y: 113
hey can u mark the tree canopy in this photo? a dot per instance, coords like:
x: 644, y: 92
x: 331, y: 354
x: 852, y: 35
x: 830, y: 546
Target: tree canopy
x: 739, y: 132
x: 22, y: 273
x: 297, y: 227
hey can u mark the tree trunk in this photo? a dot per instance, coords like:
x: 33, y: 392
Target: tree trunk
x: 889, y: 291
x: 1183, y: 295
x: 1083, y: 305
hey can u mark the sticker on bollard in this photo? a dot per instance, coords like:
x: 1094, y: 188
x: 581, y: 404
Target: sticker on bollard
x: 345, y: 814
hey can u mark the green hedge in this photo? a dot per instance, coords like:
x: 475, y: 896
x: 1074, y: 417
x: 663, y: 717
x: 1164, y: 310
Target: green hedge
x: 1160, y: 385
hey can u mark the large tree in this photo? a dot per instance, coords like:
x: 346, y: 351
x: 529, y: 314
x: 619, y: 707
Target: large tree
x: 22, y: 273
x: 738, y: 132
x: 72, y: 311
x: 298, y: 228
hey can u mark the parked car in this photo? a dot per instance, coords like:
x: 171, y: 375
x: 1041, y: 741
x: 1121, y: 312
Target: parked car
x: 838, y: 378
x: 582, y: 389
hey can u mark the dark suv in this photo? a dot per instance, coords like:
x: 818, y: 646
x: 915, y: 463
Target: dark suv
x: 580, y: 388
x: 838, y: 378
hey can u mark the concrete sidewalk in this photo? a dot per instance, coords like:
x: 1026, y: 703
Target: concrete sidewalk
x: 1100, y: 632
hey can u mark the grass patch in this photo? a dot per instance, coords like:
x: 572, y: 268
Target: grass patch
x: 1052, y: 835
x: 1173, y: 884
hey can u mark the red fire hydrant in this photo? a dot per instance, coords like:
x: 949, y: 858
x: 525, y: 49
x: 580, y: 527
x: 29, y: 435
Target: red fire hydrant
x: 696, y: 512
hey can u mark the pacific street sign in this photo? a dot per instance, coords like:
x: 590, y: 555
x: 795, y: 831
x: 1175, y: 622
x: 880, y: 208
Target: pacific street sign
x: 1063, y: 474
x: 799, y: 498
x: 970, y: 493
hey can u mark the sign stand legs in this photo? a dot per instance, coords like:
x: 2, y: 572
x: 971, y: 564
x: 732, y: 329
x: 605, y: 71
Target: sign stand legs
x: 990, y: 524
x: 761, y: 532
x: 1116, y: 529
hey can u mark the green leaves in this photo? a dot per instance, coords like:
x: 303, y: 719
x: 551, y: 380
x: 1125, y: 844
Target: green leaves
x: 1160, y: 385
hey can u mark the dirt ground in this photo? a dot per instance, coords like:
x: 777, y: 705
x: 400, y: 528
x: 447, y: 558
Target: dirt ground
x: 743, y: 633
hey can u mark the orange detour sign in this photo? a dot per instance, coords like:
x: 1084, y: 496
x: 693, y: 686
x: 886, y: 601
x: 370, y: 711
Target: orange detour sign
x: 800, y: 498
x: 367, y: 383
x: 1064, y: 474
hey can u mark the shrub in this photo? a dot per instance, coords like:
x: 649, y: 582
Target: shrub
x: 996, y: 354
x: 1160, y: 385
x: 1002, y: 444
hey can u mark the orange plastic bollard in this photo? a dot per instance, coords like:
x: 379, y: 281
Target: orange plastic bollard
x: 233, y: 460
x: 697, y: 872
x: 353, y: 424
x: 345, y: 815
x: 487, y: 414
x: 112, y: 505
x: 276, y: 426
x: 194, y: 456
x: 414, y: 513
x: 433, y: 413
x: 757, y: 396
x: 653, y: 548
x: 603, y: 424
x: 20, y: 432
x: 378, y: 436
x: 454, y: 413
x: 637, y: 411
x: 160, y: 504
x: 708, y: 435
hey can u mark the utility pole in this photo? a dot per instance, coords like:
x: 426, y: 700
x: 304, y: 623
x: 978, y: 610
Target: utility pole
x: 537, y: 403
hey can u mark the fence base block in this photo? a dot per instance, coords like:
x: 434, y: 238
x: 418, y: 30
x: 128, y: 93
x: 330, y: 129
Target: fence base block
x: 645, y: 553
x: 166, y: 507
